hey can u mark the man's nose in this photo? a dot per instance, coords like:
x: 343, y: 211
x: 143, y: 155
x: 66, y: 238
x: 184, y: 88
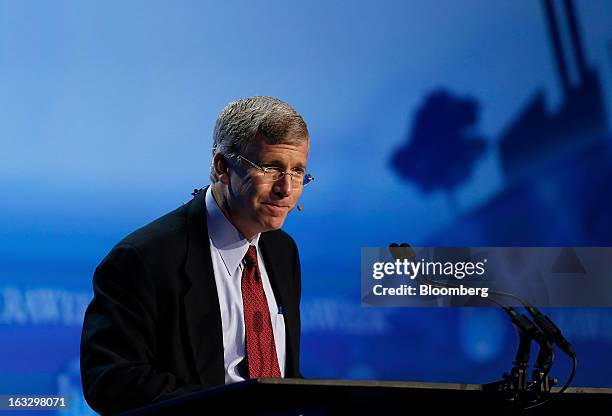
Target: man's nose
x: 283, y: 186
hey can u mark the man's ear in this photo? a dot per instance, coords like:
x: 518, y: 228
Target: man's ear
x: 221, y: 168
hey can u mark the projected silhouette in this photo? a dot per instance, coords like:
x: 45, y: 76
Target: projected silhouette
x: 556, y: 164
x: 557, y: 169
x: 538, y: 136
x: 442, y: 150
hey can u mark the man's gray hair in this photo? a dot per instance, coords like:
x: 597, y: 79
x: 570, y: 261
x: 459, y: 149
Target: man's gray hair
x: 241, y: 120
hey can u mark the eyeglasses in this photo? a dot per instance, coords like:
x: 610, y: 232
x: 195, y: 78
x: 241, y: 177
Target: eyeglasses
x: 274, y: 173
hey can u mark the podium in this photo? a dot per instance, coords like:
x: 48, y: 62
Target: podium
x: 308, y: 397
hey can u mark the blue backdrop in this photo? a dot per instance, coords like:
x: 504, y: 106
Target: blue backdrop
x: 456, y: 123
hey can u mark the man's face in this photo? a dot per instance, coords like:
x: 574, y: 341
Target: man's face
x: 256, y: 204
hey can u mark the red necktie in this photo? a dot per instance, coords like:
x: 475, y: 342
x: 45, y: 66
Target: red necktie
x: 260, y: 346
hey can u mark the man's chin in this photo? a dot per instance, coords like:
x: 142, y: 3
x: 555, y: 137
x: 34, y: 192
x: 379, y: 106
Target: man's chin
x: 274, y: 223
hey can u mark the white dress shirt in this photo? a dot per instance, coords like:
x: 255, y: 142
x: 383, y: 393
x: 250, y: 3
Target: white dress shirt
x: 227, y: 249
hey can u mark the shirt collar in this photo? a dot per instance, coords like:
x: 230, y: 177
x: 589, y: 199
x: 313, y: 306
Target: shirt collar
x: 225, y: 237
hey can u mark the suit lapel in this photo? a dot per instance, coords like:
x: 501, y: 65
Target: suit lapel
x: 201, y: 301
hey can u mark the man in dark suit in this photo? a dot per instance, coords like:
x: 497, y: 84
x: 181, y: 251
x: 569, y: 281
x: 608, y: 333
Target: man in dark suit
x: 209, y: 293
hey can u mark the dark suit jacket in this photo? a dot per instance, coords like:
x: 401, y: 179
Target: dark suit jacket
x: 153, y: 329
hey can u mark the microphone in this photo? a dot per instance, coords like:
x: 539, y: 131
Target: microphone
x: 527, y: 330
x: 550, y: 329
x: 544, y: 332
x: 299, y: 207
x: 543, y: 322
